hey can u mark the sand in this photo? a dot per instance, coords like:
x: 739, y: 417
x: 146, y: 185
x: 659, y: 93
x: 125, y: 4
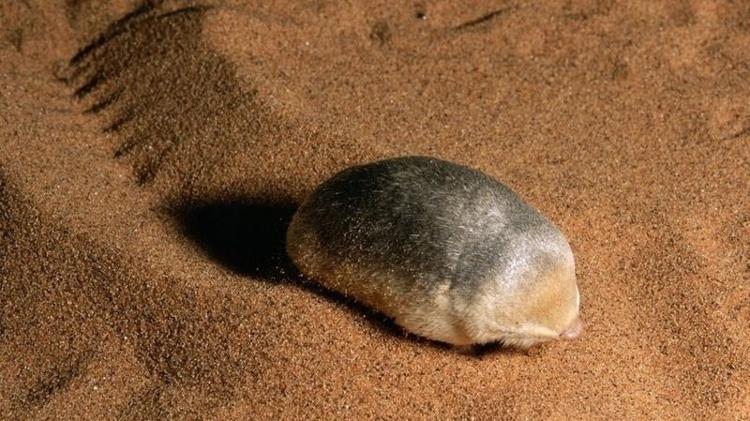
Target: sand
x: 151, y: 154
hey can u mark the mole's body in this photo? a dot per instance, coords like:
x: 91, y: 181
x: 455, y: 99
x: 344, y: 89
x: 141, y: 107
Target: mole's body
x: 448, y: 252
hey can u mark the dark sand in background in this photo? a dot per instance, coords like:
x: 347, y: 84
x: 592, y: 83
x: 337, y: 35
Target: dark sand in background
x: 135, y: 173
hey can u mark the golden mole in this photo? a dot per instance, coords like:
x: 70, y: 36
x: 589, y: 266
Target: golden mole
x: 448, y: 252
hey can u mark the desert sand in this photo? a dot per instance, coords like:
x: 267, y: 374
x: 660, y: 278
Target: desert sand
x: 152, y: 152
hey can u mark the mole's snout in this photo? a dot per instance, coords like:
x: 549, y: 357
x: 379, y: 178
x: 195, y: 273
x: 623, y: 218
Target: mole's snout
x: 573, y: 331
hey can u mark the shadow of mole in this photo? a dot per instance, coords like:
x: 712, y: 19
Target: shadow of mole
x: 249, y: 238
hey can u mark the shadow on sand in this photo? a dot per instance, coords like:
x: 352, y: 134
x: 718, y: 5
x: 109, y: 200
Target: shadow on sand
x: 246, y: 237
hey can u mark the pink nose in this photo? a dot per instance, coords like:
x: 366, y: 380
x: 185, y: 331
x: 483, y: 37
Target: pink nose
x: 573, y: 330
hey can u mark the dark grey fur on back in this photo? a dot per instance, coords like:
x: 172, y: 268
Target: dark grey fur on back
x: 429, y: 220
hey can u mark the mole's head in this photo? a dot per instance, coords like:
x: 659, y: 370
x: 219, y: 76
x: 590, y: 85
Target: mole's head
x: 544, y: 307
